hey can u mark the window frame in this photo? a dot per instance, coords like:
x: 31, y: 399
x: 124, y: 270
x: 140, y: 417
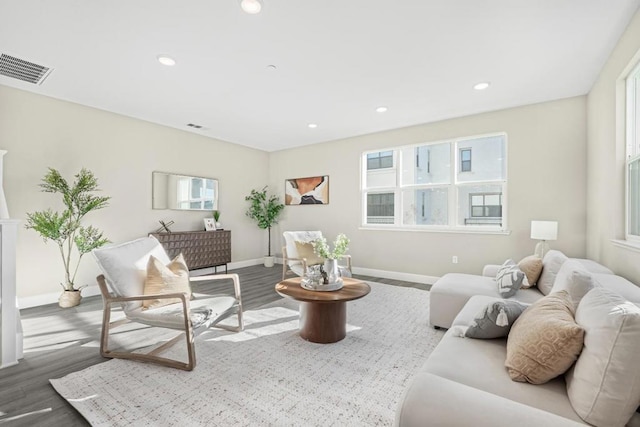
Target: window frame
x: 632, y: 140
x: 453, y: 187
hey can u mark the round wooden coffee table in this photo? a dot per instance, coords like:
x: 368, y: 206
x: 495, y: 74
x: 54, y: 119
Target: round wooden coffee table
x: 323, y: 315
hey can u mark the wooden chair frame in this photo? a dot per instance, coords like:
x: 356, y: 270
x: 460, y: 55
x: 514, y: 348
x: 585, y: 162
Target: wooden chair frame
x: 189, y: 333
x: 287, y: 270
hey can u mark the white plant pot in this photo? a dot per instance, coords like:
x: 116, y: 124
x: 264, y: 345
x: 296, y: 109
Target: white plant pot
x: 269, y: 261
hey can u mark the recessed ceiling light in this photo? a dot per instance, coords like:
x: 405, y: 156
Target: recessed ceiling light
x: 312, y: 125
x: 481, y: 86
x: 166, y: 60
x: 251, y: 6
x: 381, y: 109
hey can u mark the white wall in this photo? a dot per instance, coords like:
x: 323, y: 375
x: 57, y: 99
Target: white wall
x: 41, y: 132
x: 606, y: 161
x: 546, y: 175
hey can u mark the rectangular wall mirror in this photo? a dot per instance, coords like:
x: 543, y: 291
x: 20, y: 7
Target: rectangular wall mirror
x: 182, y: 192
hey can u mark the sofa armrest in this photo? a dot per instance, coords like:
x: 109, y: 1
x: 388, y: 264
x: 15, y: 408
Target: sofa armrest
x: 490, y: 270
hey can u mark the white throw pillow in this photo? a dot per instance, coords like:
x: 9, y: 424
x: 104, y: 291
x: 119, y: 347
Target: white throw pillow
x: 604, y: 384
x: 125, y: 266
x: 551, y: 264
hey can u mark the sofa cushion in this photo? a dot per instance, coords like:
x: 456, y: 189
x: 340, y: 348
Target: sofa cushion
x: 510, y: 279
x: 551, y: 264
x: 480, y: 364
x: 532, y: 267
x: 604, y: 384
x: 619, y: 285
x: 574, y: 279
x: 495, y: 319
x: 545, y: 340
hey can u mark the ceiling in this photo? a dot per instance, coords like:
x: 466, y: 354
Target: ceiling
x: 335, y: 60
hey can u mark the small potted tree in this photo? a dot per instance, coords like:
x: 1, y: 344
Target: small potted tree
x: 65, y: 228
x: 264, y: 209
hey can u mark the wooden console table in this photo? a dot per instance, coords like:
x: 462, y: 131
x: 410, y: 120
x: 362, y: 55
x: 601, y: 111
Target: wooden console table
x: 201, y: 249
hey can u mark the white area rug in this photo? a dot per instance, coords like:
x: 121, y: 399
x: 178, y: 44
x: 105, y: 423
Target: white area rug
x: 268, y: 375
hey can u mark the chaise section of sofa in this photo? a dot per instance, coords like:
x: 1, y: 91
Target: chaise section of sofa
x: 452, y: 291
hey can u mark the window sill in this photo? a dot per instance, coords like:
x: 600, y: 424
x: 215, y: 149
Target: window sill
x: 627, y: 244
x: 438, y: 230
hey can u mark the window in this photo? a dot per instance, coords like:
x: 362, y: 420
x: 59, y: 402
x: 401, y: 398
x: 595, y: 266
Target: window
x: 380, y: 160
x: 465, y: 160
x: 433, y: 185
x: 633, y: 154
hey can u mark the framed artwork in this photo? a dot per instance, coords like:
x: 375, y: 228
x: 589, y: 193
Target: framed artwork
x: 312, y: 190
x: 209, y: 224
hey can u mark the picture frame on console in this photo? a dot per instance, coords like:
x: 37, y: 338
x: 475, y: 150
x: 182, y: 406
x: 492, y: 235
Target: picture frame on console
x: 210, y: 224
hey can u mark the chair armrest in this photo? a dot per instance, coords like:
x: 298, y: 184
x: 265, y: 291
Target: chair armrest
x: 490, y: 270
x: 234, y: 277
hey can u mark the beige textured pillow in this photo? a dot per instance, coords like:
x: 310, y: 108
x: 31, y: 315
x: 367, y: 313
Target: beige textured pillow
x: 166, y: 279
x: 604, y: 384
x: 305, y: 250
x: 545, y: 340
x: 532, y: 267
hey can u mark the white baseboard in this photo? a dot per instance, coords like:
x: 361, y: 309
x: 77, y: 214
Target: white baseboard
x: 396, y: 275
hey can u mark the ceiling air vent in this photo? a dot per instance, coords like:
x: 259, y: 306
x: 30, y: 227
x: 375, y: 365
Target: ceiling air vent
x: 20, y: 69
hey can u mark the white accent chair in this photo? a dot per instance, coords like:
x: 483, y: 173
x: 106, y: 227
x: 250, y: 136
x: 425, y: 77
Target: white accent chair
x: 292, y: 263
x: 124, y: 269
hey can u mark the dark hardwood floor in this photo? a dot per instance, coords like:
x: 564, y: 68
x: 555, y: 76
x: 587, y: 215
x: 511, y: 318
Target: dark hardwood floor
x: 60, y: 341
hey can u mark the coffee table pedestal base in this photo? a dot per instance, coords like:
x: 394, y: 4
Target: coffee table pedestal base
x: 323, y: 323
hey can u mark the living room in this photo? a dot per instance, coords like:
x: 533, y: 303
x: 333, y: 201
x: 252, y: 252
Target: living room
x: 566, y: 163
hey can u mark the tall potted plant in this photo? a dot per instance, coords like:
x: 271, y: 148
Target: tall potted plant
x: 264, y: 209
x: 65, y: 228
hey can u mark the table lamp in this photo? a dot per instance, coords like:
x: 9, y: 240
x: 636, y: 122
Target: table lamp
x: 543, y: 231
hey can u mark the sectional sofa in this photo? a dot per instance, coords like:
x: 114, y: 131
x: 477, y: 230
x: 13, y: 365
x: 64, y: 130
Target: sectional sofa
x: 465, y: 382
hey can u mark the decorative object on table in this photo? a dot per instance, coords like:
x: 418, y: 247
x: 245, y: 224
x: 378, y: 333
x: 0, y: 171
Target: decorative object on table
x: 216, y: 217
x: 210, y: 224
x: 313, y: 190
x: 329, y: 270
x: 65, y: 229
x: 4, y: 210
x: 265, y: 210
x: 164, y: 227
x: 543, y: 231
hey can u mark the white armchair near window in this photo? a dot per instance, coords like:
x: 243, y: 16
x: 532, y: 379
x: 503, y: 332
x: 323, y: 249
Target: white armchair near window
x: 298, y: 256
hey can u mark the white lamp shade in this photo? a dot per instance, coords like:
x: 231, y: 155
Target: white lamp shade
x: 544, y: 230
